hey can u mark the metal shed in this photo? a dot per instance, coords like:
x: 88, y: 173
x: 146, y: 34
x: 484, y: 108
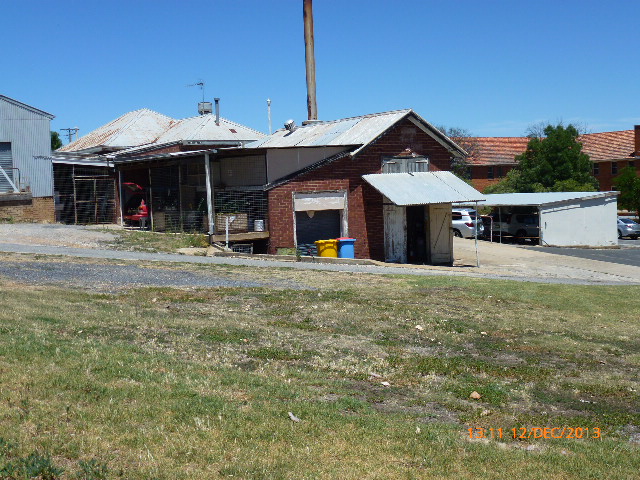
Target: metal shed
x: 567, y: 219
x: 417, y: 214
x: 24, y: 136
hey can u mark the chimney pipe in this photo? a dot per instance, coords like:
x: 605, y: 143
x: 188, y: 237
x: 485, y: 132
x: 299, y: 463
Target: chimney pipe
x: 307, y: 13
x: 637, y: 141
x: 217, y: 100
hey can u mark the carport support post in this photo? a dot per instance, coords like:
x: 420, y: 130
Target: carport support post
x: 121, y: 197
x: 476, y: 237
x: 207, y: 171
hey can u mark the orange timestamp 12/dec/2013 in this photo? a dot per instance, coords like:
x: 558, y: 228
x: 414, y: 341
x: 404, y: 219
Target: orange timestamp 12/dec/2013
x: 535, y: 433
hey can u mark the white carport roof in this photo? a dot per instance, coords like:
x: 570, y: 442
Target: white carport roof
x: 422, y: 188
x: 538, y: 199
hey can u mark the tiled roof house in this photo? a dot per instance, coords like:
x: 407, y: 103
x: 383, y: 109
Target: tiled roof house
x: 492, y: 157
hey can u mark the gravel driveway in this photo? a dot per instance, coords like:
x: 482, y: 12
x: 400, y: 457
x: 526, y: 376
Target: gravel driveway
x: 505, y: 262
x: 55, y: 235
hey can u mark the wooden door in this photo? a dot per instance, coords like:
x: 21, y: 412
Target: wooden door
x: 395, y: 233
x: 439, y: 235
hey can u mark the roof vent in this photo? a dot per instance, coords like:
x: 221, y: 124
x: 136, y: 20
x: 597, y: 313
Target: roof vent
x: 290, y: 125
x: 205, y: 108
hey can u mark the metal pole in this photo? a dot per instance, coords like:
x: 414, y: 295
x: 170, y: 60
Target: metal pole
x: 207, y: 170
x: 312, y: 107
x: 180, y: 197
x: 500, y: 221
x: 476, y: 237
x: 269, y: 113
x: 121, y: 198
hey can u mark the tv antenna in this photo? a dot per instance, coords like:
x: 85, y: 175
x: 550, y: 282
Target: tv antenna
x: 199, y: 84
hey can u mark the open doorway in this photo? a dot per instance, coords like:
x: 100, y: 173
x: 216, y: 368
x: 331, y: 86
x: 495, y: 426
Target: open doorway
x: 416, y: 235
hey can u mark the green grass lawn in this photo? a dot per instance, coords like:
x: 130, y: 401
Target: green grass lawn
x: 198, y: 384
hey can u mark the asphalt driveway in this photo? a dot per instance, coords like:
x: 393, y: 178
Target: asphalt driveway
x: 627, y: 254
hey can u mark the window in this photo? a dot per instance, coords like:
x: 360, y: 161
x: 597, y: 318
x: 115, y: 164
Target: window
x: 596, y: 169
x: 405, y: 164
x: 500, y: 175
x: 614, y: 168
x: 490, y: 173
x: 6, y: 162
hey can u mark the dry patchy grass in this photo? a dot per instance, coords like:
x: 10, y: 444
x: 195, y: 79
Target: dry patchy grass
x: 198, y: 383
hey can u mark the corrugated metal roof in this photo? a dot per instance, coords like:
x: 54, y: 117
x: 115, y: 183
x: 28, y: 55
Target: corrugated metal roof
x: 133, y: 128
x: 422, y: 188
x: 344, y: 132
x: 537, y: 199
x: 26, y: 107
x: 203, y: 127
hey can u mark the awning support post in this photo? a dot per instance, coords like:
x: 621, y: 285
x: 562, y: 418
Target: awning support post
x: 207, y: 170
x: 121, y: 198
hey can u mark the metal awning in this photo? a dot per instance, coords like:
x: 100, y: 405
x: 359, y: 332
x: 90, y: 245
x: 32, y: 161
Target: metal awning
x: 422, y: 188
x: 542, y: 198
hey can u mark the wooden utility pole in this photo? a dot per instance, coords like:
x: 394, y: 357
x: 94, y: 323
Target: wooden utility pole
x: 312, y: 107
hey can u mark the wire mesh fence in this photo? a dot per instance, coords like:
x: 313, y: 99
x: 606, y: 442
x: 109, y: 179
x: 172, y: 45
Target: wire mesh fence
x: 84, y: 194
x: 176, y: 195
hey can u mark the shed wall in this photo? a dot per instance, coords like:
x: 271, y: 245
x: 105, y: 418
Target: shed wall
x: 580, y: 223
x: 282, y: 162
x: 29, y: 134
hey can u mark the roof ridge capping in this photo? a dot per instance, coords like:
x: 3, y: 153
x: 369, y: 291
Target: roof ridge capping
x: 355, y: 117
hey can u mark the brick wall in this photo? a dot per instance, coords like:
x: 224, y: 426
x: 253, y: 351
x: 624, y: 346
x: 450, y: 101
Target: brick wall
x: 365, y: 216
x: 480, y: 175
x: 40, y: 209
x: 605, y: 176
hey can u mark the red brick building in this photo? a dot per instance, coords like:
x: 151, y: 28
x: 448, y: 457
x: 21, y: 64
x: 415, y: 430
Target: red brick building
x: 610, y: 152
x: 388, y: 142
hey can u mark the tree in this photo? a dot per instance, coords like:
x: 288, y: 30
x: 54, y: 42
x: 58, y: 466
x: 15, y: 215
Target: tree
x: 553, y: 163
x: 56, y: 143
x: 628, y: 183
x: 460, y: 166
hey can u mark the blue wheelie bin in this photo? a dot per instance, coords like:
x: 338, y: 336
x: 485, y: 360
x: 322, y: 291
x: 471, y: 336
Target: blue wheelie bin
x: 346, y: 247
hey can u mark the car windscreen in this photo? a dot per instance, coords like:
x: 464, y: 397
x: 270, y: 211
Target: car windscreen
x: 626, y: 220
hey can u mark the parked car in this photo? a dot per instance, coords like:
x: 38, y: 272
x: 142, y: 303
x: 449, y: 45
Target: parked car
x: 520, y: 226
x: 628, y: 228
x: 465, y: 223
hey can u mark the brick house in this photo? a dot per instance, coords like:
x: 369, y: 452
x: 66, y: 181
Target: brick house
x: 610, y: 152
x: 327, y: 197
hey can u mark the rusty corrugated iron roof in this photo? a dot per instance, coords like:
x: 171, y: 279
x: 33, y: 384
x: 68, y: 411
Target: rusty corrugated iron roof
x: 133, y: 128
x: 349, y: 132
x: 204, y: 127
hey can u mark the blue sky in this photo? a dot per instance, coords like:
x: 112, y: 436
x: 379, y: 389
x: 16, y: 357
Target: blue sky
x: 491, y: 67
